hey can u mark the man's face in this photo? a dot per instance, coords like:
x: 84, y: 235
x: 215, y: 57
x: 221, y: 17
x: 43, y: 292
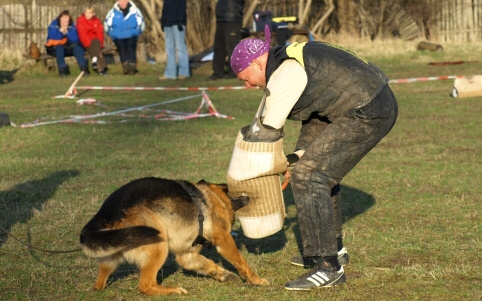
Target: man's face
x: 253, y: 75
x: 123, y: 3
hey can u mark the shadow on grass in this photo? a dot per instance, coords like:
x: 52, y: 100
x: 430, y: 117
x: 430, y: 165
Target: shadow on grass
x: 7, y: 76
x: 354, y: 202
x: 17, y: 204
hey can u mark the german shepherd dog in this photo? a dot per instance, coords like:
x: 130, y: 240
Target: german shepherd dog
x: 145, y: 219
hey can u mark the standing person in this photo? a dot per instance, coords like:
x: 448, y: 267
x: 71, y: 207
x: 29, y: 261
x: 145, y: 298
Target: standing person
x: 229, y: 20
x: 91, y: 34
x: 63, y: 40
x: 173, y: 23
x: 124, y: 23
x: 345, y: 107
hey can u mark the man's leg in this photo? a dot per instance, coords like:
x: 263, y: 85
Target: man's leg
x: 131, y: 49
x: 232, y: 37
x: 329, y: 157
x: 122, y: 49
x: 171, y: 66
x: 219, y: 48
x: 182, y: 54
x: 132, y: 55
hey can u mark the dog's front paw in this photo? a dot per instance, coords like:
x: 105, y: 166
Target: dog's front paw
x: 179, y: 291
x: 259, y: 281
x: 224, y: 275
x: 155, y: 290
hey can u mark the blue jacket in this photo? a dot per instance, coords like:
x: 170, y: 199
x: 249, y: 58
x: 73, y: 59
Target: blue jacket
x: 119, y: 26
x: 55, y: 37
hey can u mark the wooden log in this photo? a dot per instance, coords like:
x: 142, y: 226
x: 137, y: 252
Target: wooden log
x: 467, y: 86
x: 429, y: 46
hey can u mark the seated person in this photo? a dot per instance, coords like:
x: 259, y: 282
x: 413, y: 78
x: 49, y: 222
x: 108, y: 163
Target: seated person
x: 91, y: 34
x: 63, y: 40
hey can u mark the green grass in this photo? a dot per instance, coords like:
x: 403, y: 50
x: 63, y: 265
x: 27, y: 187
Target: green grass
x: 411, y: 207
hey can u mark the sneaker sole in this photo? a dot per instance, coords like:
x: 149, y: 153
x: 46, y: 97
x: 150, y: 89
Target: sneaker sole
x: 340, y: 281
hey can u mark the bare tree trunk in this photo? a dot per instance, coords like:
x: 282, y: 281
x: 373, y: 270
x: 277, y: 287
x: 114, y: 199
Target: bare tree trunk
x: 330, y: 9
x: 200, y: 26
x: 343, y: 16
x: 348, y: 17
x: 381, y: 16
x: 249, y: 12
x: 303, y: 11
x: 153, y: 37
x: 368, y: 27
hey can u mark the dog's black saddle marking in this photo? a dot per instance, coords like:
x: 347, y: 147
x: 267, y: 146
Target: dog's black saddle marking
x: 197, y: 198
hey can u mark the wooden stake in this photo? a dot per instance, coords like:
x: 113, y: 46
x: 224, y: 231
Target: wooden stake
x: 70, y: 90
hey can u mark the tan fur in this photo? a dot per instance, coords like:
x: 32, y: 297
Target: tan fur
x: 177, y: 231
x: 34, y: 51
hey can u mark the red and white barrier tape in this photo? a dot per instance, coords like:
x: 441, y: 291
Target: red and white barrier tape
x: 392, y: 81
x: 163, y: 88
x: 164, y: 115
x: 422, y: 79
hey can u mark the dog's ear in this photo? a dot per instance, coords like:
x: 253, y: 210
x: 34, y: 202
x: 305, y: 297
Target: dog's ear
x: 239, y: 202
x: 224, y: 187
x: 202, y: 182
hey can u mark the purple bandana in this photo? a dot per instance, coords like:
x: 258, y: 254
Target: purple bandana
x: 249, y: 49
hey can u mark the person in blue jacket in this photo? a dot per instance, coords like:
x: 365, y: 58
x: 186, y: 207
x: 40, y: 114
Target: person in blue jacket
x: 173, y: 23
x: 124, y: 23
x: 63, y: 40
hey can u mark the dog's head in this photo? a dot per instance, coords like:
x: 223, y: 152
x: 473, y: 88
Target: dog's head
x: 237, y: 202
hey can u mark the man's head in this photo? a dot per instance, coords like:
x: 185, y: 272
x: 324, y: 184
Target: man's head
x: 123, y: 3
x: 250, y: 56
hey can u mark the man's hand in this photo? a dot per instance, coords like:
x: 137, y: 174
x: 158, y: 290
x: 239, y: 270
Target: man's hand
x: 292, y: 160
x: 258, y: 132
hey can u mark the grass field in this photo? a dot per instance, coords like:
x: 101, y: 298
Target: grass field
x: 412, y: 221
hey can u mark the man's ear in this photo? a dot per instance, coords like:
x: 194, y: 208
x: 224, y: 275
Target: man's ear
x: 261, y: 62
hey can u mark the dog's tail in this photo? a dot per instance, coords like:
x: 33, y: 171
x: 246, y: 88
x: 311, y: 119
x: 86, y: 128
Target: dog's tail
x: 100, y: 242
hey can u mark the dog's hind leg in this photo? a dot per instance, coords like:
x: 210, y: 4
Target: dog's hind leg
x: 196, y: 262
x: 226, y: 247
x: 106, y: 267
x: 153, y: 258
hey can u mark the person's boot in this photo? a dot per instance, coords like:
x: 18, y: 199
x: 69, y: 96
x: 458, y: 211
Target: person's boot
x: 63, y: 72
x: 132, y: 68
x: 86, y: 71
x: 125, y: 67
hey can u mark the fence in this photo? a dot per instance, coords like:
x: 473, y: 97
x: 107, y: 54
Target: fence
x: 459, y: 21
x: 23, y: 22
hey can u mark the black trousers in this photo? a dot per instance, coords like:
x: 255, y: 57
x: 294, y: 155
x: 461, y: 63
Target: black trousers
x: 127, y: 49
x: 226, y: 37
x: 332, y: 149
